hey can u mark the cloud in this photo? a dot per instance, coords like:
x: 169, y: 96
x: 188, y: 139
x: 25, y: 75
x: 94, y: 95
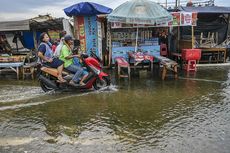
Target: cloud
x: 20, y: 6
x: 25, y: 9
x: 222, y: 3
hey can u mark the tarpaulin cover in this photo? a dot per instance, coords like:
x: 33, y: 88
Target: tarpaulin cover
x: 206, y: 9
x: 206, y: 25
x: 28, y: 40
x: 86, y: 9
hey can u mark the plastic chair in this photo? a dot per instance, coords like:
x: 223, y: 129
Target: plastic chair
x: 163, y: 50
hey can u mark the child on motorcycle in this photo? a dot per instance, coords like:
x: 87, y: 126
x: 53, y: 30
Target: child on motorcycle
x: 77, y: 60
x: 67, y: 57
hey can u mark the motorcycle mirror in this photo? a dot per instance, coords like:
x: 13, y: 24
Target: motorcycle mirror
x: 83, y: 55
x: 76, y: 43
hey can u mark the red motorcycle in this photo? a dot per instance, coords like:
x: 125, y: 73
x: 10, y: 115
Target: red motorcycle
x: 97, y: 78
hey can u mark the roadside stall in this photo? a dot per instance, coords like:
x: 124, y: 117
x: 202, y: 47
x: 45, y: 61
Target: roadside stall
x: 11, y: 42
x: 182, y: 50
x: 89, y: 29
x: 19, y: 41
x: 135, y: 31
x: 210, y: 35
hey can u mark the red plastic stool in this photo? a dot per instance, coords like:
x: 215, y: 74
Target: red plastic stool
x: 190, y: 65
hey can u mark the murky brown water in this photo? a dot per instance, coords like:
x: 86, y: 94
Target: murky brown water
x: 190, y: 115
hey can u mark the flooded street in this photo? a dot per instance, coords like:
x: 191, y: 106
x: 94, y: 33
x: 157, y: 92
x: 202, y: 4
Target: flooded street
x: 189, y: 115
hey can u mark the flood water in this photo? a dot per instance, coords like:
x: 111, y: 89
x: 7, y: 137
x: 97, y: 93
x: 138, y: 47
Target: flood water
x: 189, y: 115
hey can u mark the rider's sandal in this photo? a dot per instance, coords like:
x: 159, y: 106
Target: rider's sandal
x: 72, y: 83
x: 61, y: 80
x: 82, y: 84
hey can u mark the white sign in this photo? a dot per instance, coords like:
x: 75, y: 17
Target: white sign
x: 115, y: 25
x: 99, y: 39
x: 186, y: 19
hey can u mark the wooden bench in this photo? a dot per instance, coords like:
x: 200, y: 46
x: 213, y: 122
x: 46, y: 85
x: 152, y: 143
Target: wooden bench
x: 122, y: 63
x: 168, y: 64
x: 178, y: 58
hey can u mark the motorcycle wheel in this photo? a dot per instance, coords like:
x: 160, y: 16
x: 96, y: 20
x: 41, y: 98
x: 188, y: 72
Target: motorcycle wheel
x: 44, y: 87
x: 98, y: 84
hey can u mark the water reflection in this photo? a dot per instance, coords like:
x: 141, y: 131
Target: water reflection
x: 145, y: 115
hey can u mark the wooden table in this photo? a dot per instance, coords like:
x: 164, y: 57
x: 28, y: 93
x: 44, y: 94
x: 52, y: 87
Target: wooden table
x: 139, y: 57
x: 214, y: 50
x: 13, y: 66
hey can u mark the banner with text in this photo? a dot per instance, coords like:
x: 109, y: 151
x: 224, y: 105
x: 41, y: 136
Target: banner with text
x: 179, y: 19
x: 91, y: 34
x: 81, y: 28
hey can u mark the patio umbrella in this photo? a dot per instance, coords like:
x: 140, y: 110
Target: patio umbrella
x: 140, y: 12
x: 86, y: 9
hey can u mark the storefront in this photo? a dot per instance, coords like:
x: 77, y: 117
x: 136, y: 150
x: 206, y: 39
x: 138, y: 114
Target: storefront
x: 211, y: 34
x: 149, y: 38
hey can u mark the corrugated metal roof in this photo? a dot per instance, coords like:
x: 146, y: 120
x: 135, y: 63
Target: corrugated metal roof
x: 206, y: 9
x: 15, y: 25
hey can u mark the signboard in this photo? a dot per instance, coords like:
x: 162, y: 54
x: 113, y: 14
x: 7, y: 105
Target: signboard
x: 81, y: 27
x: 91, y: 34
x: 115, y: 25
x: 186, y: 19
x: 179, y: 19
x: 54, y: 35
x: 99, y: 42
x: 176, y: 19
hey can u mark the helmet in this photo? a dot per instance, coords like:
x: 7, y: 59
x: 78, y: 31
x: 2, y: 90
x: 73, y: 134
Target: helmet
x: 68, y: 37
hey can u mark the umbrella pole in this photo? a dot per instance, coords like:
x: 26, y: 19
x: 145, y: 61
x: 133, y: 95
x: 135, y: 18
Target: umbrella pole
x: 136, y: 40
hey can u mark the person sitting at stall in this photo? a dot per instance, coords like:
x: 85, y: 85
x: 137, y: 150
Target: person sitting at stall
x: 46, y: 55
x: 67, y: 57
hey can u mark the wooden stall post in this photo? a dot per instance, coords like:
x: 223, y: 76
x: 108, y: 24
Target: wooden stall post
x: 109, y: 41
x: 35, y: 40
x: 193, y: 40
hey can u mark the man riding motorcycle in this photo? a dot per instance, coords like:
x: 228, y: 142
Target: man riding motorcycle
x: 67, y: 57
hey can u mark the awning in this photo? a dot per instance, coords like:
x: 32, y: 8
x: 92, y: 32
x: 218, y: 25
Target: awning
x: 15, y: 25
x: 207, y: 9
x: 53, y: 24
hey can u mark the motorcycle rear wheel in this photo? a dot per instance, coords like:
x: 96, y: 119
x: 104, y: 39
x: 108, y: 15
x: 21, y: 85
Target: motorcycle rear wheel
x: 44, y: 87
x: 98, y: 84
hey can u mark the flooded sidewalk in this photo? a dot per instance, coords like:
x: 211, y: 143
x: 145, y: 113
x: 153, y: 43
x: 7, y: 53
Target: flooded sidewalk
x: 191, y: 114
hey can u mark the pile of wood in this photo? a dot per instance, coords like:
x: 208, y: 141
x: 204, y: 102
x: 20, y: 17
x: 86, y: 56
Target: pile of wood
x: 210, y: 41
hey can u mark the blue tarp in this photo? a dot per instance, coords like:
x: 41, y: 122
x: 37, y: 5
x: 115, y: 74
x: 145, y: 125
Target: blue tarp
x: 28, y: 39
x: 206, y: 9
x: 86, y: 9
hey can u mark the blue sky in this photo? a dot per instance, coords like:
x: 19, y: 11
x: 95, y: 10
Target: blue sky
x: 24, y: 9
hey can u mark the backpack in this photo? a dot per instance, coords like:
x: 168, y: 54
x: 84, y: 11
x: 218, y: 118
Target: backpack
x: 57, y: 51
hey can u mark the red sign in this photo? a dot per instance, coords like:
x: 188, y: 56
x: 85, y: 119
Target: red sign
x: 194, y: 19
x: 176, y: 19
x: 81, y: 28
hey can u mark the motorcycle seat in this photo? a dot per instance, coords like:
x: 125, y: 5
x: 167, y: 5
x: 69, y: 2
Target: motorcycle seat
x: 68, y: 71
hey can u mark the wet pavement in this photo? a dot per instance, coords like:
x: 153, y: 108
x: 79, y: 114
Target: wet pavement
x: 189, y: 115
